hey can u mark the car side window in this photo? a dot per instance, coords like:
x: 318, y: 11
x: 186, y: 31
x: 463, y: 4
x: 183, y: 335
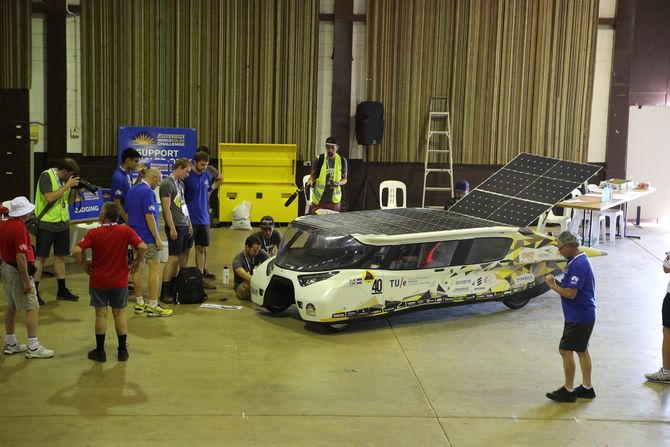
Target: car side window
x: 487, y: 249
x: 438, y: 254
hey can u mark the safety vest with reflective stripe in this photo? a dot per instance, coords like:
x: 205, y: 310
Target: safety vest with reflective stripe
x: 320, y: 186
x: 59, y: 211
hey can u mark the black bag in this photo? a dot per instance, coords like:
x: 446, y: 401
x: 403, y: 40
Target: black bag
x: 189, y: 286
x: 33, y: 222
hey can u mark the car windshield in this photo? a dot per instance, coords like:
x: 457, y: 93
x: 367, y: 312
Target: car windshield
x: 309, y: 249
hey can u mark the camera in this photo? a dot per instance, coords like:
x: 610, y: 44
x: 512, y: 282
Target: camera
x: 88, y: 185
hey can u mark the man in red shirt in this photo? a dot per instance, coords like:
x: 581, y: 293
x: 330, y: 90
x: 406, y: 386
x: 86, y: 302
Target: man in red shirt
x: 109, y: 275
x: 17, y: 271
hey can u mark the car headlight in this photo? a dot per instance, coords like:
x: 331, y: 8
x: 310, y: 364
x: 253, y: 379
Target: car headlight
x: 306, y: 280
x: 270, y: 267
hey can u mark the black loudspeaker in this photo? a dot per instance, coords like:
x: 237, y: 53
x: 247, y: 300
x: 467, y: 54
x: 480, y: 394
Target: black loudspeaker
x: 369, y: 123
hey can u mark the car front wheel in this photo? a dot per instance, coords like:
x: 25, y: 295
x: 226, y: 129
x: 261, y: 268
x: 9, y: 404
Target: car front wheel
x: 516, y: 303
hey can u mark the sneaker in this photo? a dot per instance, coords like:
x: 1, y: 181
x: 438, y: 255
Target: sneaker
x: 562, y: 395
x: 40, y: 301
x: 209, y: 275
x: 139, y: 308
x: 131, y: 289
x: 585, y: 393
x: 98, y: 356
x: 157, y: 311
x: 39, y: 353
x: 123, y: 355
x: 15, y: 348
x: 658, y: 376
x: 66, y: 295
x: 206, y: 284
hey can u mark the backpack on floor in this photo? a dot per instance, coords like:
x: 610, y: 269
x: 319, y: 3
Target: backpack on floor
x: 189, y: 286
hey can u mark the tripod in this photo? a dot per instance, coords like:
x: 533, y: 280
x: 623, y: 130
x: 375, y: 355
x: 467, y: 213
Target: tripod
x: 366, y: 185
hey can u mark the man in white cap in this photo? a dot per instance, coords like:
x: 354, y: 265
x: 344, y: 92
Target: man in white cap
x: 17, y: 271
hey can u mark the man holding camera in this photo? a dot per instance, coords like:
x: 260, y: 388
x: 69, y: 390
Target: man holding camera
x: 329, y: 174
x: 52, y: 199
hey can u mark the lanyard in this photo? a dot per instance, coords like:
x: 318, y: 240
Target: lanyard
x: 250, y: 268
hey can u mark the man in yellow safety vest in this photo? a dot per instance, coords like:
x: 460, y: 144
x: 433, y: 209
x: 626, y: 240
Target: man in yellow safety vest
x: 329, y: 174
x: 53, y: 196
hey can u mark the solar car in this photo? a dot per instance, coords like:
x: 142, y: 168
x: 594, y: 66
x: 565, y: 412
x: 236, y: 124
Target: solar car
x: 341, y: 268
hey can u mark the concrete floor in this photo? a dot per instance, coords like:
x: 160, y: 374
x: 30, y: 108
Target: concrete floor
x: 467, y: 376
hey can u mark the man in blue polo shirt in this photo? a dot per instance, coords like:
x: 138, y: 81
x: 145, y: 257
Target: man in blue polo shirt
x: 142, y: 209
x: 197, y: 187
x: 121, y: 181
x: 577, y: 291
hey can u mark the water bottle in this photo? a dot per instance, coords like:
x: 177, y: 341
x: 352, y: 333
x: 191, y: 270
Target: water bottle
x: 226, y: 275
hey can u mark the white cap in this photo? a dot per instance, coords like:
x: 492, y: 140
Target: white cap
x: 20, y: 206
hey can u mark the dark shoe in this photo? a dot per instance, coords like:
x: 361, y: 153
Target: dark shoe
x: 98, y: 356
x: 40, y: 301
x: 131, y: 288
x: 207, y: 284
x: 167, y: 299
x: 585, y: 393
x: 67, y: 296
x: 209, y: 275
x: 562, y: 395
x: 123, y: 355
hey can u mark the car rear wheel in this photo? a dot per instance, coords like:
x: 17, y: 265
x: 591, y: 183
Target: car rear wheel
x: 516, y: 303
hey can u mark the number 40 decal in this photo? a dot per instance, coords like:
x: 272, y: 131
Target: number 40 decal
x: 377, y: 286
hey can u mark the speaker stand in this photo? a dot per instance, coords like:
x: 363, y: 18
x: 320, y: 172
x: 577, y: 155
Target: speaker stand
x: 366, y: 185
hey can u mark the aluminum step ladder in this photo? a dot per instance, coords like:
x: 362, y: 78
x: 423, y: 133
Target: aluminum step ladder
x: 438, y: 153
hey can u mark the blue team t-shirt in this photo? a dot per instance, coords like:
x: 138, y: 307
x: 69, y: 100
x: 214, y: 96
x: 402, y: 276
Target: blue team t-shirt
x: 121, y: 184
x: 579, y: 275
x: 141, y: 200
x: 196, y: 192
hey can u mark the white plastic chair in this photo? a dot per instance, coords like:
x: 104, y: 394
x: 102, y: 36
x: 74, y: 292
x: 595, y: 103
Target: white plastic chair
x: 392, y: 186
x: 597, y: 229
x: 564, y: 221
x: 308, y: 193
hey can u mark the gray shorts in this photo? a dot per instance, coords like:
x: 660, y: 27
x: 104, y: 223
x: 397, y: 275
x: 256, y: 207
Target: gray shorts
x: 14, y: 289
x: 116, y: 298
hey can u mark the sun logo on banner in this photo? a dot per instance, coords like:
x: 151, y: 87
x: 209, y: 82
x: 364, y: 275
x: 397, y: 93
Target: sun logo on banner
x: 143, y: 138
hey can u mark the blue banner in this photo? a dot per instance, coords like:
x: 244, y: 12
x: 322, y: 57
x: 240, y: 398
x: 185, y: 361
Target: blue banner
x: 86, y: 206
x: 159, y: 146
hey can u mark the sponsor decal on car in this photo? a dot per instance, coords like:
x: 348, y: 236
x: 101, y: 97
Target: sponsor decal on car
x: 355, y: 281
x: 368, y: 276
x: 338, y: 315
x: 398, y: 282
x: 310, y: 310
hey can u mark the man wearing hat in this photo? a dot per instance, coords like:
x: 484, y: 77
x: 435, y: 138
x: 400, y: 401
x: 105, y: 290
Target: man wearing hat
x: 577, y: 291
x: 329, y: 174
x: 17, y: 270
x: 270, y: 237
x: 461, y: 189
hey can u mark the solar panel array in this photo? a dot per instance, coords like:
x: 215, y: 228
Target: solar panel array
x: 523, y: 189
x: 394, y: 221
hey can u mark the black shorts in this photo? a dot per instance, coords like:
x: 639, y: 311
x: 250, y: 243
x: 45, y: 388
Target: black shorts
x: 666, y: 310
x: 178, y: 246
x: 116, y: 298
x: 200, y: 236
x: 60, y: 240
x: 576, y: 336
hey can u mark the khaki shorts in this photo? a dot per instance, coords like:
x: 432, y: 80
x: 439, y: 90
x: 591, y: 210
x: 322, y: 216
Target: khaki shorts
x: 152, y: 252
x: 14, y: 289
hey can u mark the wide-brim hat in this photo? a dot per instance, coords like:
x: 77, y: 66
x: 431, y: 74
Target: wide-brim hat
x: 20, y: 206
